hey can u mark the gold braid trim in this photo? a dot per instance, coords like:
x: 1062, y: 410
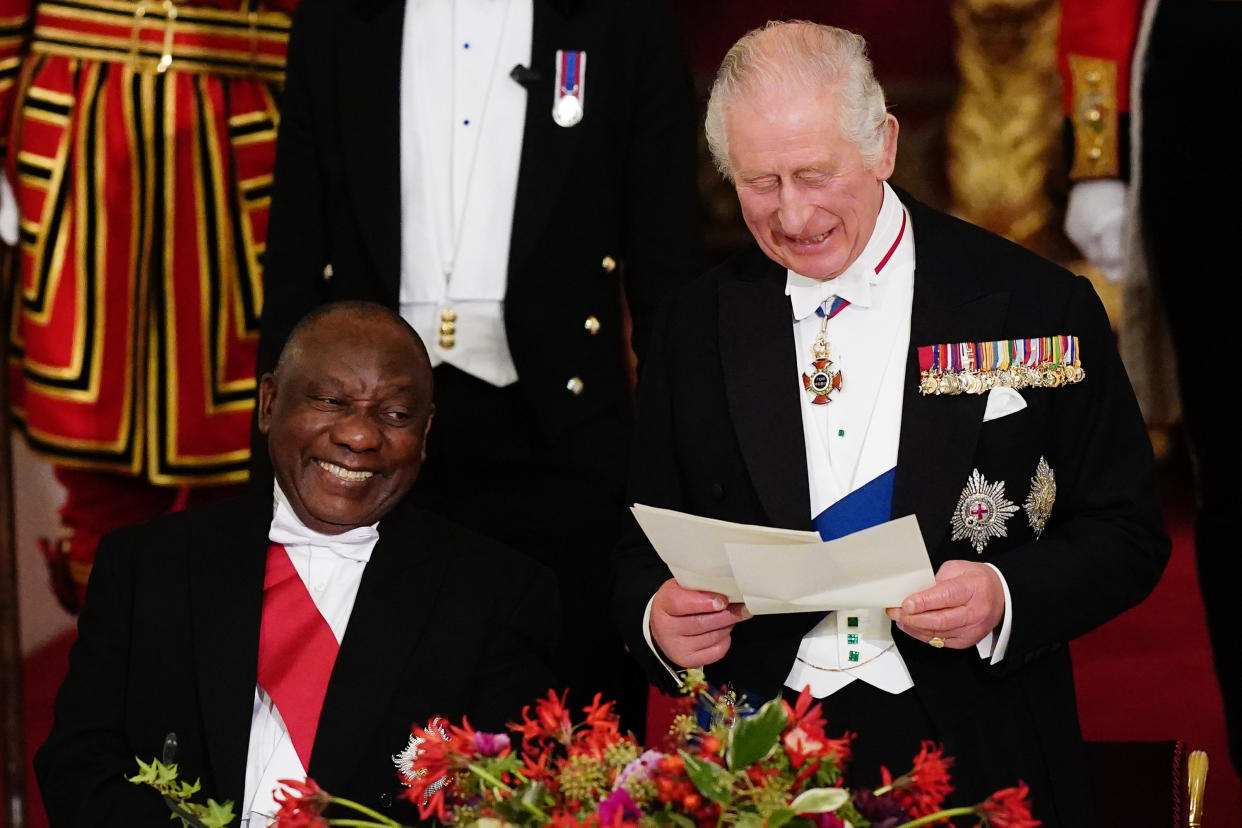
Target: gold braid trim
x: 1094, y: 118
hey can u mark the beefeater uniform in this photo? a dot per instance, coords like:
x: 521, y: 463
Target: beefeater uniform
x: 1169, y: 64
x: 141, y: 146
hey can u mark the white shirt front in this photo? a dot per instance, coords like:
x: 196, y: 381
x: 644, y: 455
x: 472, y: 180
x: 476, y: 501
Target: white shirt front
x: 331, y: 567
x: 854, y: 438
x: 462, y: 122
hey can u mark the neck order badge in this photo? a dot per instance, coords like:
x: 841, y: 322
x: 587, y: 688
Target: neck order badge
x: 820, y: 380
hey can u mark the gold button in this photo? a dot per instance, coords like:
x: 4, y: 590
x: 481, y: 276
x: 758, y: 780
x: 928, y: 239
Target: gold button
x: 1093, y: 76
x: 591, y: 325
x: 448, y: 315
x: 447, y: 341
x: 609, y: 264
x: 447, y: 328
x: 574, y: 386
x: 1094, y: 153
x: 327, y: 272
x: 1094, y: 114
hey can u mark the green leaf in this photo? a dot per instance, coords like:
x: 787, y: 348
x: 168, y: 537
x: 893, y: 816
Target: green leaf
x: 217, y: 815
x: 713, y: 781
x: 145, y: 774
x: 666, y: 818
x: 754, y: 737
x: 779, y: 817
x: 748, y: 820
x: 819, y: 800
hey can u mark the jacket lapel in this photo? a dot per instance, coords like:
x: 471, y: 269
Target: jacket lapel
x: 386, y: 623
x: 226, y: 595
x: 939, y: 433
x: 548, y: 150
x: 370, y: 100
x: 757, y: 352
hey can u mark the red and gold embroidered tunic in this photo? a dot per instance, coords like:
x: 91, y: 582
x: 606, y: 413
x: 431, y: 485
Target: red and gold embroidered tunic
x: 141, y: 147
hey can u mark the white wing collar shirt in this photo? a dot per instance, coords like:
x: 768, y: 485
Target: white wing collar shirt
x: 462, y: 122
x: 854, y: 439
x: 331, y: 566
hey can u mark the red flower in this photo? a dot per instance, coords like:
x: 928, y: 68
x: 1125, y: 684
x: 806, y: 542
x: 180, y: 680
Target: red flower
x: 1008, y: 808
x: 551, y: 720
x: 301, y: 804
x: 426, y: 767
x: 922, y: 791
x: 804, y: 737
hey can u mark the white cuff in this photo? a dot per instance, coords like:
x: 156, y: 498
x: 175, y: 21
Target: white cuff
x: 672, y: 671
x: 994, y: 644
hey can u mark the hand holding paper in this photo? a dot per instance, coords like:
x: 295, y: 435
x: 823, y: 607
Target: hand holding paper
x: 693, y: 628
x: 966, y: 604
x: 779, y: 570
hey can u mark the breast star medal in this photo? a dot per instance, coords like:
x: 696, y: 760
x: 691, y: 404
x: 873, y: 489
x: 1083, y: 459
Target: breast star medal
x: 981, y: 512
x: 1043, y: 494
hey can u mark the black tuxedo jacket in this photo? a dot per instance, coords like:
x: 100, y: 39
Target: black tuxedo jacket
x: 445, y: 622
x: 620, y: 184
x: 719, y: 434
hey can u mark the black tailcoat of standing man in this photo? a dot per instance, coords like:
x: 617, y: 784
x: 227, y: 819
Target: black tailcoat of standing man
x: 603, y: 209
x: 720, y: 434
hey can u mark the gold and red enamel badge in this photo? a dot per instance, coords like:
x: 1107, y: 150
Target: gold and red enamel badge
x: 820, y: 380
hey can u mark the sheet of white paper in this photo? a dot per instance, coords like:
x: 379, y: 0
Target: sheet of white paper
x: 694, y: 547
x: 876, y: 567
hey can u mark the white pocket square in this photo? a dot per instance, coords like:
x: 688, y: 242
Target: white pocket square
x: 1002, y: 402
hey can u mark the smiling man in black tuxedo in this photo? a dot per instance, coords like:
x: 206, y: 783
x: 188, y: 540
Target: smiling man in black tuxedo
x: 303, y: 630
x: 869, y: 359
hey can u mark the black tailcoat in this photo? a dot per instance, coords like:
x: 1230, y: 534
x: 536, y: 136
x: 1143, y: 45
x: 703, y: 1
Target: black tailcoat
x: 719, y: 434
x: 620, y: 184
x: 445, y: 622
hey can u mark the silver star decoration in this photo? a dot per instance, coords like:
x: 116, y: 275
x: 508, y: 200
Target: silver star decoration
x: 981, y: 512
x: 1043, y: 494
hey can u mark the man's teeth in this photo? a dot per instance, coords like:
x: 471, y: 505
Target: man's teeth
x: 816, y: 239
x: 343, y: 473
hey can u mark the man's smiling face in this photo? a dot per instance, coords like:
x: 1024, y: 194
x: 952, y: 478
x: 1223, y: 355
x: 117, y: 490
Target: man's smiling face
x: 346, y: 414
x: 807, y: 196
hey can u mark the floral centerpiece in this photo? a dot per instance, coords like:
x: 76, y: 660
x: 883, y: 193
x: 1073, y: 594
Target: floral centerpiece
x: 722, y: 764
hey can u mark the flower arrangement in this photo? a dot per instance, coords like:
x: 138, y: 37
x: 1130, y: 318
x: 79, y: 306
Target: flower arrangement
x: 722, y: 765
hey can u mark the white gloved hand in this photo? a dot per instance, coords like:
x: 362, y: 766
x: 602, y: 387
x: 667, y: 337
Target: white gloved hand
x: 1094, y: 219
x: 8, y: 211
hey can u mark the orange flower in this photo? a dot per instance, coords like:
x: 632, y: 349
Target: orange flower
x: 551, y: 720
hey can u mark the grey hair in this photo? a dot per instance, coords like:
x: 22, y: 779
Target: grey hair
x: 800, y: 54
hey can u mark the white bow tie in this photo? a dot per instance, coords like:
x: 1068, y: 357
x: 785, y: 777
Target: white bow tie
x: 288, y: 530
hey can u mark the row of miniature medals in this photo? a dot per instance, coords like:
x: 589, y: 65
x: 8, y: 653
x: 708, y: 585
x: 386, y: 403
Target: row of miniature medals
x: 974, y: 368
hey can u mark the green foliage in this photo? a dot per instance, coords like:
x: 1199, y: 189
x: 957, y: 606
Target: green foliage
x: 754, y: 737
x: 177, y: 793
x: 713, y: 781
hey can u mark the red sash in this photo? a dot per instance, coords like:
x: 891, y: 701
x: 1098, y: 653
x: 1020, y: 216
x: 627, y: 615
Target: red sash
x: 296, y: 651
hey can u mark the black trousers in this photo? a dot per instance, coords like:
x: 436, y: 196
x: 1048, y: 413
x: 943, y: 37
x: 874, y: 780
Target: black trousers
x: 1192, y: 213
x: 561, y: 501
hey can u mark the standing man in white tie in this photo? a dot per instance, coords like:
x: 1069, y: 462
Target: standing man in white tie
x: 872, y: 358
x: 512, y: 175
x: 303, y: 631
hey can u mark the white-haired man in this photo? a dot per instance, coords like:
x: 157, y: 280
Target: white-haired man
x: 871, y: 359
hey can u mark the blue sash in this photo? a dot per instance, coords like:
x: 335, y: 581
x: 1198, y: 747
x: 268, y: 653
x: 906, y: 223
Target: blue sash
x: 869, y: 505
